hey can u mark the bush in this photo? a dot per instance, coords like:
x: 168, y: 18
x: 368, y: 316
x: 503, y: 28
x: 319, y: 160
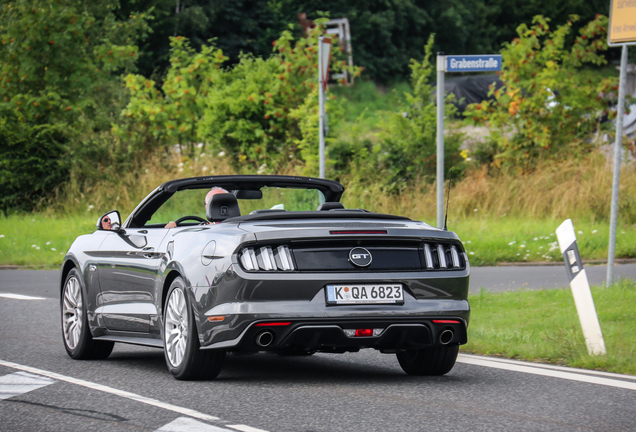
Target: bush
x: 548, y: 106
x: 406, y: 146
x: 245, y: 111
x: 31, y: 164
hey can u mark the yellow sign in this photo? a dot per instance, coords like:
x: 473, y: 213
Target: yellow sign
x: 622, y: 26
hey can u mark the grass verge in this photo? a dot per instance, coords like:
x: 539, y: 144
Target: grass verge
x: 40, y: 240
x: 543, y: 326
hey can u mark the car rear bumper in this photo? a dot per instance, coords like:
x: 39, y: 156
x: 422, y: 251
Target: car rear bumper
x: 314, y: 326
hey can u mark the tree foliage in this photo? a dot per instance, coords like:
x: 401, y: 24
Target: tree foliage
x: 56, y: 54
x: 243, y: 110
x: 407, y: 141
x: 59, y: 61
x: 548, y: 104
x: 385, y: 34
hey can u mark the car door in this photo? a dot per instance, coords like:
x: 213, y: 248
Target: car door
x: 129, y: 280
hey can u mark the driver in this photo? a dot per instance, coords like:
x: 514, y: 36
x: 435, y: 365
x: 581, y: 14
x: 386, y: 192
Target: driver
x: 215, y: 190
x: 106, y: 223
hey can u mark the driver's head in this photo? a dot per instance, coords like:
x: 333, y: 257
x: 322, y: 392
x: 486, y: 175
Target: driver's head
x: 215, y: 190
x: 106, y: 223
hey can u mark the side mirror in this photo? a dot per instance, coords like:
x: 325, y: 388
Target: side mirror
x: 110, y: 221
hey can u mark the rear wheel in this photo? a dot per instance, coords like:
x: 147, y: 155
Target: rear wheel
x: 78, y: 340
x: 184, y: 357
x: 436, y: 360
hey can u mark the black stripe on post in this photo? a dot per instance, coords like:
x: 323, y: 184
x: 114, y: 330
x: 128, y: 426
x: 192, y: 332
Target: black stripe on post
x: 573, y: 263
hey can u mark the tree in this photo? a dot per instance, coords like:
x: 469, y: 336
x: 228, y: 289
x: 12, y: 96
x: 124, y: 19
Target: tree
x: 56, y: 55
x: 59, y: 66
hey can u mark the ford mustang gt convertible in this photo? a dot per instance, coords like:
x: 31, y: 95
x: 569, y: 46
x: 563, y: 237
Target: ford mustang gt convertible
x: 245, y: 264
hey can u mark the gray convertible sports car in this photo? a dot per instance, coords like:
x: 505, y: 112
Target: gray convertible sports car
x: 277, y: 264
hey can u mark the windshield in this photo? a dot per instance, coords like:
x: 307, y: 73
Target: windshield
x: 191, y: 202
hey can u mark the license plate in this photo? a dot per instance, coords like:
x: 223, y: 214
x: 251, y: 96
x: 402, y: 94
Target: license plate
x: 365, y: 294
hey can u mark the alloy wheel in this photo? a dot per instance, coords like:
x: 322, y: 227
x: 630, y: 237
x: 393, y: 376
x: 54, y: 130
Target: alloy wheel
x: 176, y: 327
x: 72, y: 312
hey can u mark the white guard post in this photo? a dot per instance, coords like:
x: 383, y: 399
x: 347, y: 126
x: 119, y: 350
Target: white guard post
x: 580, y: 289
x: 324, y: 49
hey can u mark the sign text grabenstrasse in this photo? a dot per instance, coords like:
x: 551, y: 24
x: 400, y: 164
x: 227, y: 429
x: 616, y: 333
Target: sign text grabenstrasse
x: 473, y: 63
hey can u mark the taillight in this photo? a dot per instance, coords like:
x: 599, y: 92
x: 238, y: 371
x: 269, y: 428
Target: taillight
x: 267, y: 259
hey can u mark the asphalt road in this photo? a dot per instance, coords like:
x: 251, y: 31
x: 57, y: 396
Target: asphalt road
x: 42, y: 389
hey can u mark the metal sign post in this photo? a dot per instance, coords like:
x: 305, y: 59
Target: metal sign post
x: 324, y: 48
x: 622, y: 32
x: 441, y: 66
x: 466, y: 63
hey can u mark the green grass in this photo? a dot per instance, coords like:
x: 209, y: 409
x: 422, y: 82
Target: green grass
x: 543, y: 326
x: 38, y: 241
x: 489, y: 241
x: 366, y: 106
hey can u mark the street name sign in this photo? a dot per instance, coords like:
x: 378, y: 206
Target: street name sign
x: 474, y: 63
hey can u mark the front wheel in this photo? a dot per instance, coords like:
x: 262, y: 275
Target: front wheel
x: 184, y: 357
x: 78, y: 340
x: 437, y: 360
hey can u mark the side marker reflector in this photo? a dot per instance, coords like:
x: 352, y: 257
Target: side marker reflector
x: 446, y: 322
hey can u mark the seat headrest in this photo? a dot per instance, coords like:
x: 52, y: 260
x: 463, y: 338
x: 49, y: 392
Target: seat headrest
x: 330, y: 206
x: 221, y: 207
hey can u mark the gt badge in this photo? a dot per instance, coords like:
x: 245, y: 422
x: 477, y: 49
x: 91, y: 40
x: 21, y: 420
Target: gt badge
x: 360, y: 257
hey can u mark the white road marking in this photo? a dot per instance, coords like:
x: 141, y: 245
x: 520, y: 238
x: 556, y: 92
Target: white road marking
x: 185, y: 424
x: 19, y: 383
x: 113, y: 391
x: 537, y: 369
x: 244, y: 428
x: 20, y: 296
x: 554, y: 367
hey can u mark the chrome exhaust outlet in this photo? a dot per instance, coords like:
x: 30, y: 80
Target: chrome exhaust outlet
x: 446, y: 337
x: 264, y: 339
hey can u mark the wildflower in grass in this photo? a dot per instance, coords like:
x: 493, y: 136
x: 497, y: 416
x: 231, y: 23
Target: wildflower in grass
x: 180, y: 169
x: 199, y: 145
x: 202, y: 154
x: 522, y: 245
x: 180, y: 164
x: 37, y: 248
x: 48, y: 243
x: 467, y: 241
x: 1, y: 235
x: 221, y: 154
x: 53, y: 249
x: 472, y: 253
x: 90, y: 207
x: 580, y: 232
x: 475, y: 209
x: 34, y: 245
x: 204, y: 169
x: 594, y: 232
x: 535, y: 239
x: 511, y: 243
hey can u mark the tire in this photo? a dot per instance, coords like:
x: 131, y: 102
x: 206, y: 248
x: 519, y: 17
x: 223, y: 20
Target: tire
x: 184, y: 357
x: 76, y: 334
x: 437, y: 360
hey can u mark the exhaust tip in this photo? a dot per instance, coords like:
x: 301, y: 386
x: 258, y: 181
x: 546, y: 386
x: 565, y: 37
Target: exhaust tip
x: 264, y: 339
x: 446, y: 337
